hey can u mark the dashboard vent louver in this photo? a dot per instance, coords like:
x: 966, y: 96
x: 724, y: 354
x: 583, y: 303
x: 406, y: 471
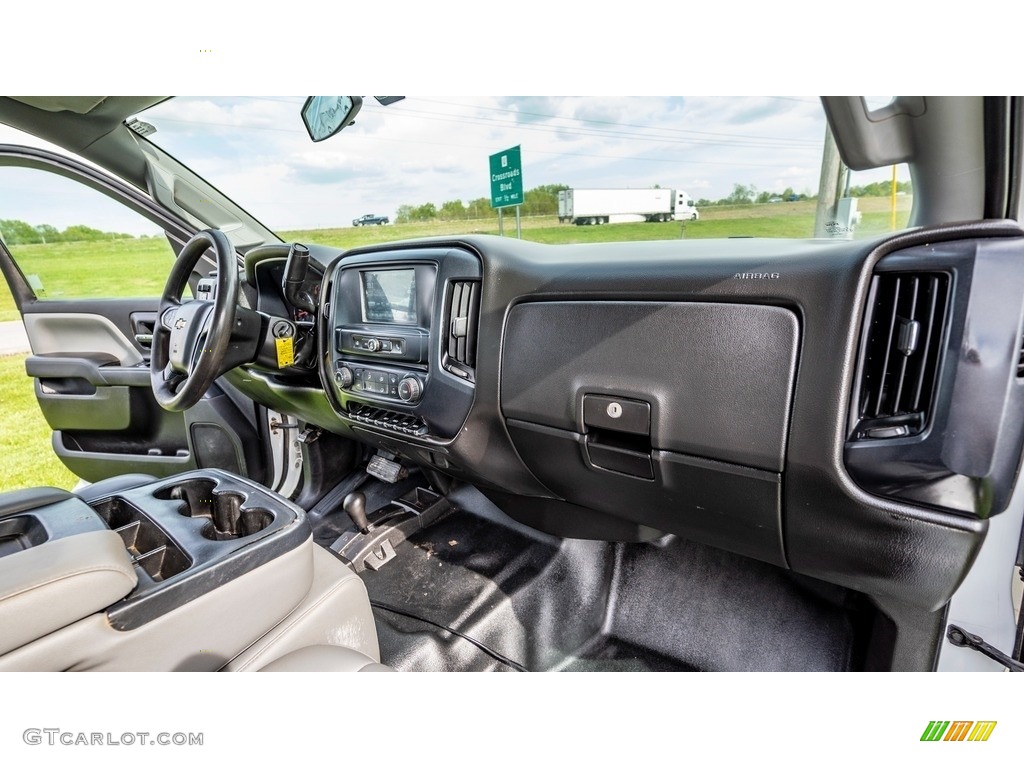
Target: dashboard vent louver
x: 901, y: 354
x: 461, y: 321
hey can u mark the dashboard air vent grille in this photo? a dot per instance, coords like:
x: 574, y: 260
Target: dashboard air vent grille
x: 461, y: 321
x: 901, y: 354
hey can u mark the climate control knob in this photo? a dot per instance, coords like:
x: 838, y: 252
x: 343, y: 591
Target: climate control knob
x: 372, y: 345
x: 410, y: 389
x: 343, y: 377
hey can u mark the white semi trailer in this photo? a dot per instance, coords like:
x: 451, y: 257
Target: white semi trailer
x: 612, y: 206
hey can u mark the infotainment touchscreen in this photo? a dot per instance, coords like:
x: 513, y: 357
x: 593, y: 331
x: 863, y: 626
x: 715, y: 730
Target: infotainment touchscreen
x: 389, y: 296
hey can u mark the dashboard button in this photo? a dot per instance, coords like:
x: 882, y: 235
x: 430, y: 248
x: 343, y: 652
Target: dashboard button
x: 343, y: 377
x: 410, y: 389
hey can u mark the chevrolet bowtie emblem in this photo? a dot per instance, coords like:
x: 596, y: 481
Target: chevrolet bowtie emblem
x: 180, y: 323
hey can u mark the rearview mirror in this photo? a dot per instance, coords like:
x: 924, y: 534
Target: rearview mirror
x: 324, y: 116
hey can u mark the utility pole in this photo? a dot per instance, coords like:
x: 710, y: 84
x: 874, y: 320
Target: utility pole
x: 829, y: 185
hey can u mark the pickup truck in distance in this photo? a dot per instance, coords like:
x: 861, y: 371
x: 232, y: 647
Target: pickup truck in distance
x: 368, y: 218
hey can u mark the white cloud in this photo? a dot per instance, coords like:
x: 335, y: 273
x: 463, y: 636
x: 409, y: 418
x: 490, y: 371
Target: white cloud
x: 434, y: 149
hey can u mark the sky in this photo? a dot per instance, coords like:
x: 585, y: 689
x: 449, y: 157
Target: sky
x: 436, y: 148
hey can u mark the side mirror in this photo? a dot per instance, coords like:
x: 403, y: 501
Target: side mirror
x: 324, y: 116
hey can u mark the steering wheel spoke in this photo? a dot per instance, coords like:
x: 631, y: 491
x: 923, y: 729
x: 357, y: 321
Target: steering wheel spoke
x: 174, y: 381
x: 169, y: 315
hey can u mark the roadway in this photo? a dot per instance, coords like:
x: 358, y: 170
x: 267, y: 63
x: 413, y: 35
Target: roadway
x: 13, y: 340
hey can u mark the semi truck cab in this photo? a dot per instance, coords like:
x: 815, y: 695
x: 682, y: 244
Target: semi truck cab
x: 685, y: 208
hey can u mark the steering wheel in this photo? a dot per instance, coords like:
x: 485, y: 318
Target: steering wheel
x: 190, y: 339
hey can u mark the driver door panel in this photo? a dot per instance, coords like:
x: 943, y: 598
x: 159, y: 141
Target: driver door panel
x: 91, y: 379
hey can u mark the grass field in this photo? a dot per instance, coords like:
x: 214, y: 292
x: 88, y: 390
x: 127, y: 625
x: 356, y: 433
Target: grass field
x: 137, y: 267
x: 106, y: 268
x: 25, y: 452
x: 794, y: 220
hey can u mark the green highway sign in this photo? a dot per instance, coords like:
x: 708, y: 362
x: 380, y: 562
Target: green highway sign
x: 506, y: 178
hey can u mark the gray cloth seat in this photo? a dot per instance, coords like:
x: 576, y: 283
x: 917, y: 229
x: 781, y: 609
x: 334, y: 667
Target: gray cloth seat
x: 62, y: 567
x: 325, y: 658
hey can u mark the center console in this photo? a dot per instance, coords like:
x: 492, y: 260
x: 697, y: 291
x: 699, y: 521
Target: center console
x: 401, y: 341
x: 183, y: 572
x: 181, y: 535
x: 192, y: 530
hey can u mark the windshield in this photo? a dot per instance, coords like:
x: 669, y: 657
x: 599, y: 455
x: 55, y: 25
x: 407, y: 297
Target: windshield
x: 618, y: 168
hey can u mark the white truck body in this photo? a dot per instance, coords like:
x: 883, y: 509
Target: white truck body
x: 610, y: 206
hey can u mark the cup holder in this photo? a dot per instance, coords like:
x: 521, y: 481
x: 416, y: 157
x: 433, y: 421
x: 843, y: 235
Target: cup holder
x: 148, y: 545
x: 116, y: 512
x: 228, y: 518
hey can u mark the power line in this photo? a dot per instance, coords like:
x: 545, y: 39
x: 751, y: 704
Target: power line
x: 629, y: 125
x: 582, y: 132
x: 738, y: 142
x: 463, y: 145
x: 163, y: 119
x: 662, y: 159
x: 734, y: 139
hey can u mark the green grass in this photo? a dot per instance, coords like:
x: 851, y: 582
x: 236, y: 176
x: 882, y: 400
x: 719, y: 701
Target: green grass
x: 137, y: 267
x: 795, y: 220
x: 106, y: 268
x: 7, y: 308
x: 28, y: 459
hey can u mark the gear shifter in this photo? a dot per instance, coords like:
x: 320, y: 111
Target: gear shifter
x: 355, y: 507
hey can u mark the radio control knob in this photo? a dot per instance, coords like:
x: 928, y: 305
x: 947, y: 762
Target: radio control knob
x: 372, y: 345
x: 343, y: 377
x: 410, y: 389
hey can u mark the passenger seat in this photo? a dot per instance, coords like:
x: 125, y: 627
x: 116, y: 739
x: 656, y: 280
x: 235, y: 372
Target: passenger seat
x: 325, y: 658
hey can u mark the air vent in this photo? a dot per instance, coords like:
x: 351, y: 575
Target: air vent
x: 901, y: 355
x: 461, y: 320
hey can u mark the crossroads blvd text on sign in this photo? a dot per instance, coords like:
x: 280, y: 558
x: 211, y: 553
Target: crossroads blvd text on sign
x: 506, y: 178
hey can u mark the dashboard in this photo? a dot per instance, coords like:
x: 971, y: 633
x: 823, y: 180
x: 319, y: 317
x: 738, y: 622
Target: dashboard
x: 399, y: 351
x: 853, y: 411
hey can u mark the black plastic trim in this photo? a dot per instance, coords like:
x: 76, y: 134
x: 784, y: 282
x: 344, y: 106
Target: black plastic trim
x: 997, y: 115
x: 446, y: 398
x: 966, y: 459
x: 718, y: 377
x: 213, y: 562
x: 58, y: 513
x: 726, y: 505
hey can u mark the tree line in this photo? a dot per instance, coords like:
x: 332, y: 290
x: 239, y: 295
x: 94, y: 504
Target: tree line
x: 543, y: 201
x: 16, y: 232
x: 539, y: 201
x: 747, y: 194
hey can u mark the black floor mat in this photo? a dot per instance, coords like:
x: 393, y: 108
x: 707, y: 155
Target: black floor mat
x: 610, y: 654
x: 542, y: 603
x: 328, y: 527
x: 725, y: 612
x: 528, y: 599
